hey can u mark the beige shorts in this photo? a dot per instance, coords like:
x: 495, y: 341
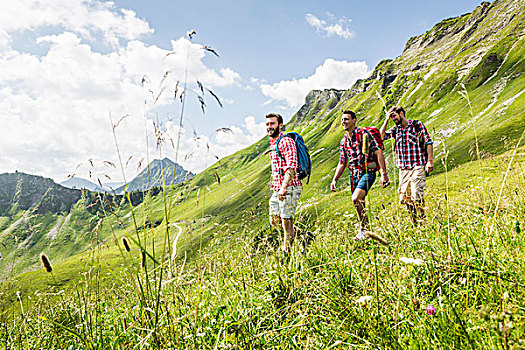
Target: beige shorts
x: 285, y: 209
x: 412, y: 184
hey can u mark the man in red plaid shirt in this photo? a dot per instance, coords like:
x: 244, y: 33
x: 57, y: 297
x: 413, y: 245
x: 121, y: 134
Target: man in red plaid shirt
x: 362, y: 167
x: 414, y: 156
x: 285, y: 185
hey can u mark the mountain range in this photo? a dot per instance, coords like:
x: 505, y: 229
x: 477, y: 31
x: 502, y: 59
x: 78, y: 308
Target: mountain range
x: 157, y: 173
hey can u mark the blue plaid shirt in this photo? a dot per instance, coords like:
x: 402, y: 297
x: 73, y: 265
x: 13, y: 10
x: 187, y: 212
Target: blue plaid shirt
x: 408, y: 151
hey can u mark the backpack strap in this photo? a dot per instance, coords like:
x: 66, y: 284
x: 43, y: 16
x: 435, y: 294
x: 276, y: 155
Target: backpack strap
x: 277, y: 146
x: 419, y: 135
x: 417, y: 126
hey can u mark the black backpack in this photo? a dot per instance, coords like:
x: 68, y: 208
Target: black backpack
x: 420, y: 139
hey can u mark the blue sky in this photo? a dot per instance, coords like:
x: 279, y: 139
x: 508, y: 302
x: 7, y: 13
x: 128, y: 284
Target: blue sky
x: 67, y: 66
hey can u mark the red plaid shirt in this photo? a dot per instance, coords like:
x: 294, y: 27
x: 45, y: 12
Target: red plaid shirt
x: 408, y: 151
x: 288, y: 150
x: 351, y: 152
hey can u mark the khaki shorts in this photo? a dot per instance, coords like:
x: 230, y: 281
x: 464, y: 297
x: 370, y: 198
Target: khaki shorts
x: 412, y: 184
x: 285, y: 209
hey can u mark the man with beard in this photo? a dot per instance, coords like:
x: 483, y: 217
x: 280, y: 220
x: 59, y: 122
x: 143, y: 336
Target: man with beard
x: 363, y: 163
x: 414, y: 157
x: 285, y: 184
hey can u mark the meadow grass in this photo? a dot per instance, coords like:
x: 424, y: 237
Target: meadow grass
x: 467, y: 263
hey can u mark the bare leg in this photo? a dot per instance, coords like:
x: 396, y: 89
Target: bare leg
x: 411, y: 206
x: 411, y: 210
x: 288, y: 234
x: 358, y: 198
x: 275, y: 221
x: 420, y: 211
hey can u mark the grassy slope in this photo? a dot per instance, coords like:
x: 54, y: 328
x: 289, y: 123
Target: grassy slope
x: 237, y: 293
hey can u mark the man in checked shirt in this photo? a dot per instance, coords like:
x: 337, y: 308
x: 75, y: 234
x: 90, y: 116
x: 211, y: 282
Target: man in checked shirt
x: 414, y: 156
x: 285, y: 185
x: 362, y: 168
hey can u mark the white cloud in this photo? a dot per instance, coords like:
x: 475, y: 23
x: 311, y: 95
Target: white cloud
x: 337, y: 27
x: 197, y: 153
x: 86, y: 18
x: 331, y: 74
x: 55, y: 105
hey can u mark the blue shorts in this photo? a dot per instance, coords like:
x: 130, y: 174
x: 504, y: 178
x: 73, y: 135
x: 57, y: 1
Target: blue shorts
x: 365, y: 182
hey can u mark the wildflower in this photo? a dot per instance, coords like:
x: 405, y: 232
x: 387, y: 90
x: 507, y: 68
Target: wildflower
x: 126, y: 245
x: 364, y: 299
x: 46, y: 263
x: 412, y: 261
x: 431, y: 310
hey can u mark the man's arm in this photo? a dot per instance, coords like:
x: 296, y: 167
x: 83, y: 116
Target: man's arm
x: 288, y: 177
x: 429, y: 146
x: 289, y: 152
x: 383, y: 127
x: 385, y: 181
x: 338, y: 172
x: 430, y: 161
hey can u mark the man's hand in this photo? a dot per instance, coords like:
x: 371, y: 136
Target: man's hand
x: 282, y: 193
x: 430, y: 166
x: 332, y: 186
x: 385, y: 181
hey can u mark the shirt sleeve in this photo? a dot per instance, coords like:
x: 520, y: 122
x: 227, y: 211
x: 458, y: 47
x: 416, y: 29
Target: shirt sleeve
x: 342, y: 152
x: 390, y: 133
x: 425, y: 134
x: 289, y: 152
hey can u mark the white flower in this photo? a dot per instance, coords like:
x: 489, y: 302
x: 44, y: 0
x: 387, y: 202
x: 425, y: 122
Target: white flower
x: 412, y: 261
x: 363, y: 299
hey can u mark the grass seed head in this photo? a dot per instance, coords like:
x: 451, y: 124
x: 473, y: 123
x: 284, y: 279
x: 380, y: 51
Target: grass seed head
x: 45, y: 262
x: 126, y: 244
x: 365, y: 143
x: 416, y: 304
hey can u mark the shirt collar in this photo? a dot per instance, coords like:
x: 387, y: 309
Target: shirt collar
x: 410, y: 123
x: 354, y: 133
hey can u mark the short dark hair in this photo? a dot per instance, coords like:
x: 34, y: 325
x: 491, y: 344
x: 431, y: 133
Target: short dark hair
x: 276, y: 115
x: 397, y: 109
x: 352, y: 114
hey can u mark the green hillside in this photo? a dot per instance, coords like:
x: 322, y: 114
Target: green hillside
x: 225, y: 287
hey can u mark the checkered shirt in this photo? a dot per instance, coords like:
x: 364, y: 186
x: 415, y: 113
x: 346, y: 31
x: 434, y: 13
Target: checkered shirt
x: 351, y: 153
x: 408, y: 151
x: 288, y: 150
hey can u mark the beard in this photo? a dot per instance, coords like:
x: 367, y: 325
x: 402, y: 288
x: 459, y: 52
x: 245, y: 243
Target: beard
x: 274, y: 133
x: 397, y: 122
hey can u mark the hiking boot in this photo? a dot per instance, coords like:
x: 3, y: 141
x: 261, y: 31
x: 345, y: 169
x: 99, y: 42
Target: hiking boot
x: 361, y: 235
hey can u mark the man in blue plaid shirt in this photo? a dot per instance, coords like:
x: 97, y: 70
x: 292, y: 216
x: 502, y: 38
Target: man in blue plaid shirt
x: 414, y: 157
